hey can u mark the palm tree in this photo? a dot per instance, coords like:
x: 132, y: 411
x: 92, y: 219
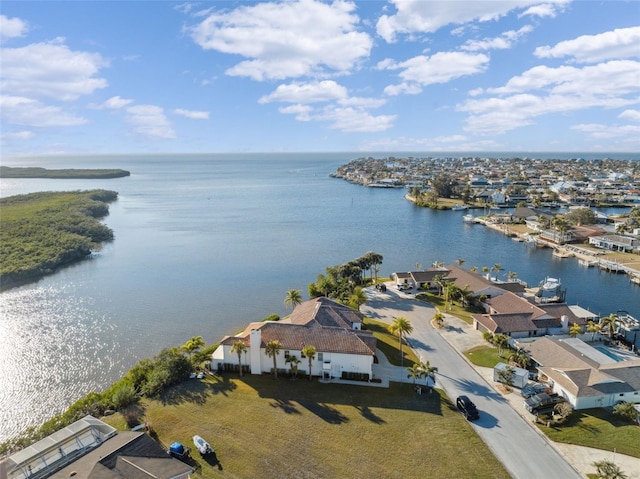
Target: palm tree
x: 293, y: 298
x: 193, y: 345
x: 400, y: 327
x: 428, y: 371
x: 358, y: 298
x: 438, y: 319
x: 574, y: 330
x: 500, y: 340
x: 497, y: 268
x: 608, y: 325
x: 519, y: 358
x: 272, y: 349
x: 608, y: 470
x: 506, y: 376
x: 626, y: 410
x: 593, y: 328
x: 310, y: 353
x: 239, y: 347
x: 415, y: 372
x: 460, y: 261
x: 293, y: 362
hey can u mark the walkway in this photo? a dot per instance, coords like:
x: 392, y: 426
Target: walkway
x: 512, y: 440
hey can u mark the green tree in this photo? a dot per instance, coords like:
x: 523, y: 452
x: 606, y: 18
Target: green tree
x: 272, y: 349
x: 400, y: 327
x: 293, y: 362
x: 608, y: 325
x: 500, y: 341
x: 309, y: 352
x: 506, y: 376
x: 428, y: 371
x: 608, y: 470
x: 593, y: 328
x: 519, y: 358
x: 575, y: 330
x: 194, y: 344
x: 239, y: 347
x: 358, y: 298
x: 293, y: 298
x: 414, y: 372
x: 627, y: 410
x: 438, y: 320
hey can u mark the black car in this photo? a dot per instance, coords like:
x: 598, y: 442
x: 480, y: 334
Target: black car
x: 466, y: 407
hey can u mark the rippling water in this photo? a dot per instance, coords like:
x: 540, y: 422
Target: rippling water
x: 204, y: 244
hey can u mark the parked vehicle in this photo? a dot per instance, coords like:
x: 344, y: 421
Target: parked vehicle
x: 542, y: 402
x: 202, y: 446
x: 466, y: 407
x: 533, y: 389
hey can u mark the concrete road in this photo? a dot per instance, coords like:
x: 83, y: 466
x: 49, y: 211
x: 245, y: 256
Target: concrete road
x: 521, y: 448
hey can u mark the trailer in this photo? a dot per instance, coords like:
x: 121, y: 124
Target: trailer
x: 519, y: 376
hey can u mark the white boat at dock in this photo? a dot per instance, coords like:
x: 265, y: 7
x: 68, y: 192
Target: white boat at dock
x: 550, y: 291
x: 468, y: 219
x: 587, y: 262
x: 460, y: 207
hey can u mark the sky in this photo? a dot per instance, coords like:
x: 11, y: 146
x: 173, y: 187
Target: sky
x: 135, y: 77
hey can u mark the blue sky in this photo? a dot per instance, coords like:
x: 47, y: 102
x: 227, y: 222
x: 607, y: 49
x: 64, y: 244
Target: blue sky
x: 102, y: 77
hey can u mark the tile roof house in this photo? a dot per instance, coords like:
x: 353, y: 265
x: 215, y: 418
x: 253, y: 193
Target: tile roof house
x: 584, y: 375
x: 518, y: 317
x: 344, y: 350
x: 477, y: 284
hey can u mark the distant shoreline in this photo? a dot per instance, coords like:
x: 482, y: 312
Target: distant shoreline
x: 84, y: 174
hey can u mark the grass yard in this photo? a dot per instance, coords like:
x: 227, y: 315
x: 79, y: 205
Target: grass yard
x: 597, y: 428
x: 260, y: 427
x: 388, y: 344
x: 486, y: 356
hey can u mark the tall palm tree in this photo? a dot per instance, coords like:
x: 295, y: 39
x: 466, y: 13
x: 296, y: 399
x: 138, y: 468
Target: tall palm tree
x: 574, y: 330
x: 608, y: 325
x: 239, y: 347
x: 358, y: 298
x: 309, y: 352
x: 429, y: 371
x: 593, y: 328
x: 500, y: 340
x: 415, y: 372
x: 293, y: 298
x: 400, y: 327
x: 193, y: 345
x: 293, y: 362
x: 272, y: 349
x: 497, y: 268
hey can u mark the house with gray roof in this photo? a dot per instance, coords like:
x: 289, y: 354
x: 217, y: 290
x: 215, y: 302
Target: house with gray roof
x: 584, y: 375
x: 343, y: 349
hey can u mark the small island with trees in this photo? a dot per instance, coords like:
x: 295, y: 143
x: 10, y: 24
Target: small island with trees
x: 85, y: 174
x: 40, y: 232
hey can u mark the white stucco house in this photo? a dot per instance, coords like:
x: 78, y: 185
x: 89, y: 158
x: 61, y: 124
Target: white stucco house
x: 587, y: 377
x: 344, y: 350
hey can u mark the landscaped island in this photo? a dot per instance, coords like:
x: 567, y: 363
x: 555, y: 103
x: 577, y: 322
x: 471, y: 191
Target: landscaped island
x: 35, y: 172
x: 40, y: 232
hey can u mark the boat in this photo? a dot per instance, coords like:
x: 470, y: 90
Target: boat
x: 550, y: 291
x: 635, y: 279
x: 202, y: 446
x: 561, y: 253
x: 587, y: 262
x: 468, y: 218
x: 460, y: 207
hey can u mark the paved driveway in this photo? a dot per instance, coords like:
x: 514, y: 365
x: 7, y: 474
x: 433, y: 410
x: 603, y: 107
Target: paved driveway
x: 523, y: 450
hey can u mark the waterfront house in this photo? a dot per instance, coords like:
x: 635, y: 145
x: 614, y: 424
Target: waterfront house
x: 419, y: 279
x: 627, y: 244
x: 476, y: 284
x: 343, y: 349
x: 585, y: 375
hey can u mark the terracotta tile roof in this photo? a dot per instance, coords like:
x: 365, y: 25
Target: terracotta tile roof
x: 326, y: 312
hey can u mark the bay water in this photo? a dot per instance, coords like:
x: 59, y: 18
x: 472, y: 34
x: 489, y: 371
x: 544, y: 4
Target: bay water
x: 205, y: 244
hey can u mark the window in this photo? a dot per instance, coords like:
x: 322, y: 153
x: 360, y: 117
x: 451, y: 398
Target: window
x: 286, y: 354
x: 320, y: 357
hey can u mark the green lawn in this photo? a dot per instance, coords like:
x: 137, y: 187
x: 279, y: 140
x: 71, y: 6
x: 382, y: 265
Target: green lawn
x: 597, y: 428
x: 486, y: 356
x: 260, y: 427
x: 388, y: 344
x: 438, y: 302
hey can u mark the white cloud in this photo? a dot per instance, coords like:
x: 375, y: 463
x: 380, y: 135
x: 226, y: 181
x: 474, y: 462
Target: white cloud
x: 301, y: 112
x: 192, y: 114
x: 544, y: 10
x: 50, y: 70
x: 354, y: 119
x: 599, y: 132
x: 21, y: 135
x: 149, y: 121
x: 543, y: 90
x: 630, y: 115
x: 23, y: 111
x: 503, y: 42
x: 438, y: 68
x: 616, y: 44
x: 327, y: 90
x: 113, y: 103
x: 286, y: 39
x: 419, y: 16
x: 12, y: 27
